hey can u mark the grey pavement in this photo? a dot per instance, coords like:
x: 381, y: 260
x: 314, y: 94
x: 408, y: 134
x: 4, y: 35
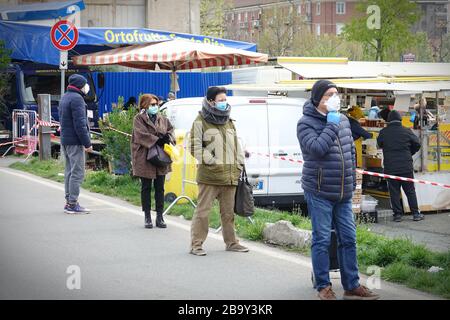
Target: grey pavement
x: 119, y: 259
x: 433, y: 232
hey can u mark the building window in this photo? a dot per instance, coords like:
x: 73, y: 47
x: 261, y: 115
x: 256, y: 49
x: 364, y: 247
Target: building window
x: 340, y: 7
x: 246, y: 17
x: 318, y: 8
x: 318, y: 29
x: 308, y: 8
x: 339, y: 27
x: 299, y: 10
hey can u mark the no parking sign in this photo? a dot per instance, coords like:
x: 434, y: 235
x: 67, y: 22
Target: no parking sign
x: 64, y: 35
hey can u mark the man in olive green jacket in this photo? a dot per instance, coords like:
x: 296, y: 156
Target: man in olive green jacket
x: 215, y: 146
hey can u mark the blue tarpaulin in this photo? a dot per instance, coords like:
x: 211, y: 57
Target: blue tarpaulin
x: 40, y: 11
x: 32, y: 42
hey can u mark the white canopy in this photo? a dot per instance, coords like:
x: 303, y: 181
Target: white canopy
x: 333, y: 68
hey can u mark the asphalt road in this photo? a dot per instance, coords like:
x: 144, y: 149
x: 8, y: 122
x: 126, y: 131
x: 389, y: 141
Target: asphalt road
x: 115, y: 257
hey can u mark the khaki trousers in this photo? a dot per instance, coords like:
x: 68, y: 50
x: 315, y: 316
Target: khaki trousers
x: 206, y: 195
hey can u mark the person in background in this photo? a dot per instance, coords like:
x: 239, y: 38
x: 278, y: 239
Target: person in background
x: 355, y: 113
x: 150, y: 128
x: 161, y: 101
x: 384, y: 113
x: 131, y: 103
x: 358, y: 132
x: 328, y: 181
x: 171, y: 96
x: 399, y: 144
x: 75, y: 140
x: 415, y: 114
x: 214, y: 144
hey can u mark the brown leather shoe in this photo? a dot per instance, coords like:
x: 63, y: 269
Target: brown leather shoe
x: 360, y: 293
x: 327, y: 294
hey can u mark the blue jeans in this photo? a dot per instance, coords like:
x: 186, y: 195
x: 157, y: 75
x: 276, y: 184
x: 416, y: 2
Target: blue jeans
x: 325, y: 214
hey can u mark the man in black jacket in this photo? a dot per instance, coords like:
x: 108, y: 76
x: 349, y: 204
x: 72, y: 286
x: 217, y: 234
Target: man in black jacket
x: 399, y: 144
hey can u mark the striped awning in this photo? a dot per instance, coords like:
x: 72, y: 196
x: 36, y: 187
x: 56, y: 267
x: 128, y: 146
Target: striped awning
x: 172, y: 55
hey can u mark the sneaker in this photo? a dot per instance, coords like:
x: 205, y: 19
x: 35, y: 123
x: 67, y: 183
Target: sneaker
x: 66, y: 207
x: 76, y: 209
x: 360, y: 293
x: 418, y: 217
x: 198, y: 252
x: 236, y: 247
x: 327, y: 294
x: 397, y: 218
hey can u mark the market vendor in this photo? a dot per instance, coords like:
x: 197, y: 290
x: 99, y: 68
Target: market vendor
x: 358, y: 132
x: 399, y: 144
x: 354, y: 114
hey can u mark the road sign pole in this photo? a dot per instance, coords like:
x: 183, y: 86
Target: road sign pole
x: 63, y: 78
x: 63, y: 62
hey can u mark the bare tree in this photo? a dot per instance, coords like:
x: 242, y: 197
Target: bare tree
x: 280, y: 29
x: 212, y: 17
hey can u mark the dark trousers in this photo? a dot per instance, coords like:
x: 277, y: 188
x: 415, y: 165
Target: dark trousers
x: 146, y: 188
x: 395, y: 194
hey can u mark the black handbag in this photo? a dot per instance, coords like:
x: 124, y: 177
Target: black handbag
x: 158, y: 157
x: 244, y: 203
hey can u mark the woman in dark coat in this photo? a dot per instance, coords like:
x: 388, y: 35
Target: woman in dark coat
x: 150, y: 128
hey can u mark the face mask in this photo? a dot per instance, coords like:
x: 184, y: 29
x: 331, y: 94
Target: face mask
x: 152, y: 110
x: 333, y: 103
x: 222, y: 105
x: 85, y: 89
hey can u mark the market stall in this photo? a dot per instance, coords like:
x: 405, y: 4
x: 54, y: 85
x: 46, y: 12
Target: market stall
x: 420, y: 91
x: 426, y: 110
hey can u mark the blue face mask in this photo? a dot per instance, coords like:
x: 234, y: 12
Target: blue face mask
x: 222, y: 105
x: 152, y: 110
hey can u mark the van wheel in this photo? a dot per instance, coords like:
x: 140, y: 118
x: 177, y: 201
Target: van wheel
x: 170, y: 197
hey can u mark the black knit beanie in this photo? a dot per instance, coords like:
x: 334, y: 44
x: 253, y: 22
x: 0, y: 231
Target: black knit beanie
x: 394, y: 116
x: 318, y: 90
x: 77, y: 80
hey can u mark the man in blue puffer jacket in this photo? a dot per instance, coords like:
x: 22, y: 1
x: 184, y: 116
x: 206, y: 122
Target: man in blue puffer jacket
x: 328, y: 181
x: 75, y: 140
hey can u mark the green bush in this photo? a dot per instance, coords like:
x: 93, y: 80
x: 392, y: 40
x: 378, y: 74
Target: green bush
x: 117, y: 145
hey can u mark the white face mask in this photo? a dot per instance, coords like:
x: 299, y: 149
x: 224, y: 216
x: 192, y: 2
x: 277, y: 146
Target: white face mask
x: 85, y: 89
x: 333, y: 103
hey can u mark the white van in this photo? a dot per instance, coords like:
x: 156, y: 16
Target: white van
x: 266, y: 125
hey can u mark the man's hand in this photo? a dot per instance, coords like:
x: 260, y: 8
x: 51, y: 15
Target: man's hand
x: 334, y: 117
x: 88, y: 150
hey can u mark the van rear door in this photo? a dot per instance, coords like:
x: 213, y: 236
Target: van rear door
x: 285, y: 175
x: 252, y: 130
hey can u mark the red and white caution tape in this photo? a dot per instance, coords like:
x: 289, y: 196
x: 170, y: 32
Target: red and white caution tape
x: 12, y: 142
x: 124, y: 133
x: 46, y: 123
x: 389, y: 176
x: 370, y: 173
